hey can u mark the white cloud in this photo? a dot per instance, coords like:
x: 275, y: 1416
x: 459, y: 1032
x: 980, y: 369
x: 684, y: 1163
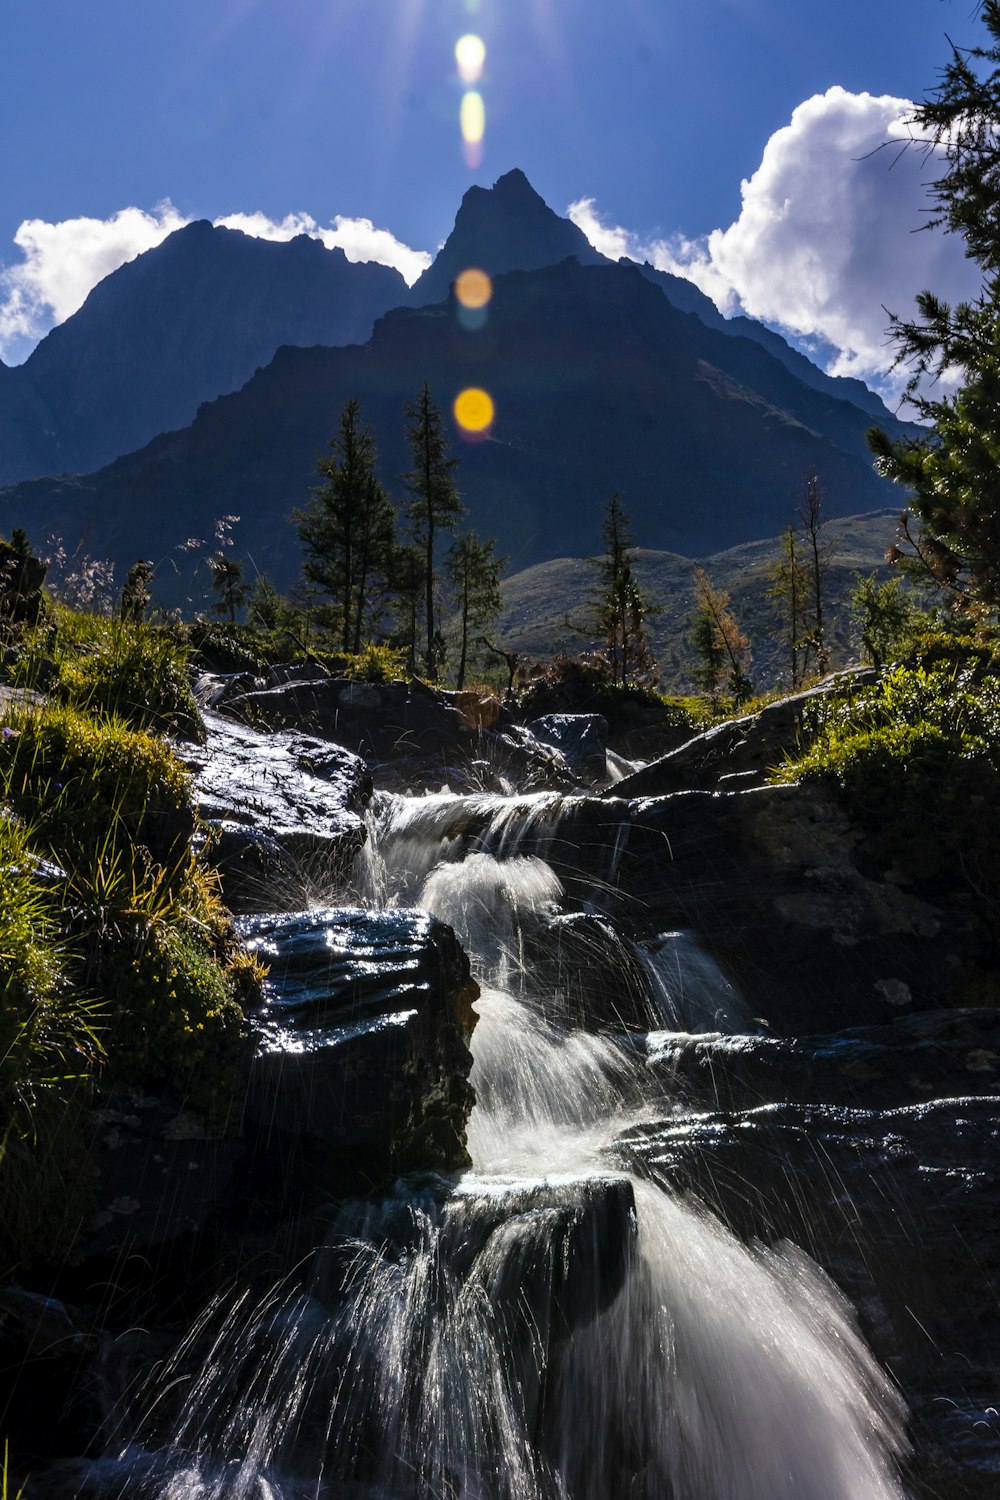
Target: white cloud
x: 358, y: 238
x: 826, y: 237
x: 62, y: 262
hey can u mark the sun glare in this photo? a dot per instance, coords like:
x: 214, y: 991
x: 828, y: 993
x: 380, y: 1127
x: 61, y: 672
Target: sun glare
x: 473, y: 288
x: 470, y: 55
x: 473, y: 410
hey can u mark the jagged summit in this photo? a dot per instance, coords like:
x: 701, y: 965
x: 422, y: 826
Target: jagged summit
x: 508, y: 227
x: 181, y: 324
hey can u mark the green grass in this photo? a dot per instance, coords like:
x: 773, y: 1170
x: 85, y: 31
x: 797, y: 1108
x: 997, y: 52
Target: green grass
x: 118, y: 962
x: 112, y: 669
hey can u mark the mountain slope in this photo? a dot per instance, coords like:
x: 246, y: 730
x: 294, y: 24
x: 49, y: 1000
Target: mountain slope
x: 599, y: 384
x: 180, y: 325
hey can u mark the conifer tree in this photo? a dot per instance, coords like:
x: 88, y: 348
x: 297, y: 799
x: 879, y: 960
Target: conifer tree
x: 347, y: 530
x: 621, y: 609
x: 817, y: 565
x: 229, y: 585
x: 474, y: 572
x: 434, y: 506
x: 787, y: 591
x: 951, y: 530
x: 722, y: 649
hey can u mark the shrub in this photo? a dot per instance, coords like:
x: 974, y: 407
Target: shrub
x: 373, y: 663
x: 917, y: 758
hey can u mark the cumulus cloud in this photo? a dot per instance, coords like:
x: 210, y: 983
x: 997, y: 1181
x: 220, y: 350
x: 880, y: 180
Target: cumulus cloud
x: 826, y: 237
x: 358, y: 238
x: 63, y: 261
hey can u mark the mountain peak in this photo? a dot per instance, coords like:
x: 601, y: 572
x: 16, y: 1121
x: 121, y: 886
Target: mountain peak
x: 507, y: 227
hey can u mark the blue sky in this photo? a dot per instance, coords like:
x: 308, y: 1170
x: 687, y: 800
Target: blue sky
x: 653, y: 111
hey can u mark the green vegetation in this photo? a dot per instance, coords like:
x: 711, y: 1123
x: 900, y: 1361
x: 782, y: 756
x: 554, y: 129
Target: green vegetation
x: 106, y: 667
x: 951, y: 531
x: 621, y: 608
x: 916, y: 758
x: 117, y: 959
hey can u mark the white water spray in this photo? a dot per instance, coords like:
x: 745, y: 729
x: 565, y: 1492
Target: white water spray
x: 550, y: 1327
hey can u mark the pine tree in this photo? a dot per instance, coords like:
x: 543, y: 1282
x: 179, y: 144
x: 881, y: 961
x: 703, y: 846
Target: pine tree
x: 621, y: 609
x: 787, y: 591
x: 434, y: 506
x: 950, y: 532
x: 347, y: 530
x: 817, y: 565
x: 474, y: 572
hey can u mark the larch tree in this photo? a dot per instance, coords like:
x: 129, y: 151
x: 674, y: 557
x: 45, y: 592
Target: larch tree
x: 722, y: 649
x: 434, y: 506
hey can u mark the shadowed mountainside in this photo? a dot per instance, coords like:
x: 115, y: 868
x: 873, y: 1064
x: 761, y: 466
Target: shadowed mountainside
x: 179, y: 325
x: 599, y: 385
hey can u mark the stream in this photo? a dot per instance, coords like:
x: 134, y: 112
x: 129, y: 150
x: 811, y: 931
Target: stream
x: 560, y: 1321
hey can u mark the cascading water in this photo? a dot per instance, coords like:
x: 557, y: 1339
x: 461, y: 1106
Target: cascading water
x: 548, y: 1327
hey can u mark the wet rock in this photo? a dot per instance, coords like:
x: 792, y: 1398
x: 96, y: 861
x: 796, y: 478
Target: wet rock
x: 413, y: 737
x: 776, y: 878
x: 582, y: 740
x: 589, y: 977
x: 47, y: 1349
x: 363, y: 1039
x: 931, y: 1055
x: 289, y: 809
x: 742, y: 750
x: 161, y: 1176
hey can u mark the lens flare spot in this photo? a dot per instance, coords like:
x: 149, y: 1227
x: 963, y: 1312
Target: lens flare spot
x: 472, y: 117
x: 470, y: 55
x: 473, y: 288
x: 473, y: 409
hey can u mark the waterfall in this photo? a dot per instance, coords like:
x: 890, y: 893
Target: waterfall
x: 549, y: 1326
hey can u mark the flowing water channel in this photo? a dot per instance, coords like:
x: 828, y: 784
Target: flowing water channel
x: 548, y: 1326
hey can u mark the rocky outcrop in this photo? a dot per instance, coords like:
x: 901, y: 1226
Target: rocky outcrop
x: 582, y: 739
x: 287, y: 811
x: 412, y: 737
x: 741, y: 752
x: 814, y: 935
x: 363, y: 1040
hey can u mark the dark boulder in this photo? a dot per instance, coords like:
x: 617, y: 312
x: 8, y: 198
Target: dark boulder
x: 413, y: 737
x: 581, y: 739
x: 363, y: 1039
x: 814, y: 935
